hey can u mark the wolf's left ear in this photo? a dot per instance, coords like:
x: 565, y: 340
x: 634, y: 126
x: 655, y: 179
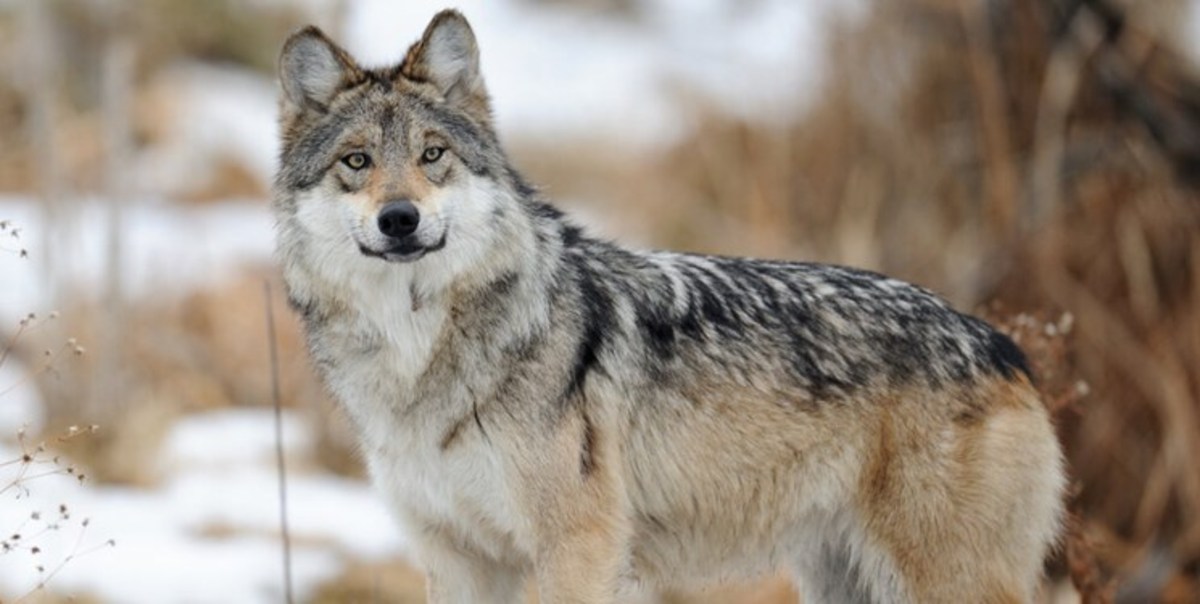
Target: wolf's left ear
x: 448, y: 57
x: 313, y: 69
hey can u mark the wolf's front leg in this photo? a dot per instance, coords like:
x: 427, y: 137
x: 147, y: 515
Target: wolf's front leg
x: 583, y: 567
x: 575, y: 499
x: 456, y: 576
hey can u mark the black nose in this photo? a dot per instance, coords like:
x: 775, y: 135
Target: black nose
x: 399, y: 219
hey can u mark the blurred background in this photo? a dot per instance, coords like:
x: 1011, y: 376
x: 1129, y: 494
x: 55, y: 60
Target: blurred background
x: 1035, y: 161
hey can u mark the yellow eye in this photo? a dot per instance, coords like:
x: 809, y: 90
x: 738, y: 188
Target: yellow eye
x: 432, y: 154
x: 357, y: 161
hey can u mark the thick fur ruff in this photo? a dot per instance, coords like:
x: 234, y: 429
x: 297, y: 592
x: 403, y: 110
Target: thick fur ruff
x: 536, y: 402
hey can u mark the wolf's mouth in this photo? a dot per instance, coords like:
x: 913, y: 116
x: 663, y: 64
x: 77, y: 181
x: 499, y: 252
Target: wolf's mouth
x: 404, y: 250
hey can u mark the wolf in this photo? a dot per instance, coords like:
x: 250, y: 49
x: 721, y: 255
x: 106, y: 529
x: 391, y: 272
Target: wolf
x: 535, y: 402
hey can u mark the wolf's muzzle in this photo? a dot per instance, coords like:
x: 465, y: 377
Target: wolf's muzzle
x: 398, y: 219
x: 397, y: 222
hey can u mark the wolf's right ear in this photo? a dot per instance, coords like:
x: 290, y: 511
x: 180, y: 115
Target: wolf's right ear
x: 312, y: 68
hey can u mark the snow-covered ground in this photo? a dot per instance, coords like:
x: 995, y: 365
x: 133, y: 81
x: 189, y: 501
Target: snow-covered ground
x: 209, y: 533
x: 166, y: 248
x: 20, y: 405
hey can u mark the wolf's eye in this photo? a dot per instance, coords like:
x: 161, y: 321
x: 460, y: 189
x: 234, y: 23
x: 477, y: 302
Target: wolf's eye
x: 432, y: 154
x: 357, y: 161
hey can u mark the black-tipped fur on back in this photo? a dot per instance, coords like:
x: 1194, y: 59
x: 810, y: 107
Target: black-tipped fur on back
x: 833, y: 330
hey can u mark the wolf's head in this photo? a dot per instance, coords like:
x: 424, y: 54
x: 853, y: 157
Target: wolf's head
x: 392, y: 164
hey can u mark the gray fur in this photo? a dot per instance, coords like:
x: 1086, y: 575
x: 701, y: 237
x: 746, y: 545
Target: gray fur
x: 519, y: 360
x: 311, y: 70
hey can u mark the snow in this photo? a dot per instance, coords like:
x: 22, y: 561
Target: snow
x: 166, y: 248
x: 214, y: 112
x: 20, y: 403
x: 210, y: 532
x: 242, y: 437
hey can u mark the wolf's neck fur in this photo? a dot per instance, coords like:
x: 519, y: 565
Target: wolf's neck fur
x: 406, y: 316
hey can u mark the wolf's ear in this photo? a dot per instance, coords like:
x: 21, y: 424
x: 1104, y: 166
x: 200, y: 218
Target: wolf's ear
x: 448, y: 57
x: 312, y: 68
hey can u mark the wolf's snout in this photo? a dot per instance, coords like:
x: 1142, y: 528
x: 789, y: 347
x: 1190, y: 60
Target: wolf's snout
x: 399, y: 219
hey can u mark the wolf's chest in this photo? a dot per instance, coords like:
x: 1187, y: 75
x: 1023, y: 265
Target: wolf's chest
x: 376, y: 375
x: 461, y: 490
x: 371, y: 358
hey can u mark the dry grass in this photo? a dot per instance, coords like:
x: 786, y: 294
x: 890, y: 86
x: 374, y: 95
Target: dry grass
x: 202, y: 351
x: 393, y: 581
x: 397, y: 582
x: 247, y: 35
x: 28, y: 529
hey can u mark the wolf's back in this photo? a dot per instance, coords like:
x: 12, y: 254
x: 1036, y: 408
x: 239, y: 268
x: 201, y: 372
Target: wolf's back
x: 828, y: 331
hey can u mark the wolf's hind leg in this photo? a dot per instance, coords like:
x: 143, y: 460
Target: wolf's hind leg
x: 837, y: 563
x: 831, y: 575
x: 966, y: 513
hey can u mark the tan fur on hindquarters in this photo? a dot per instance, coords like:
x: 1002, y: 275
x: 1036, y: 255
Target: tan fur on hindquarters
x: 970, y: 539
